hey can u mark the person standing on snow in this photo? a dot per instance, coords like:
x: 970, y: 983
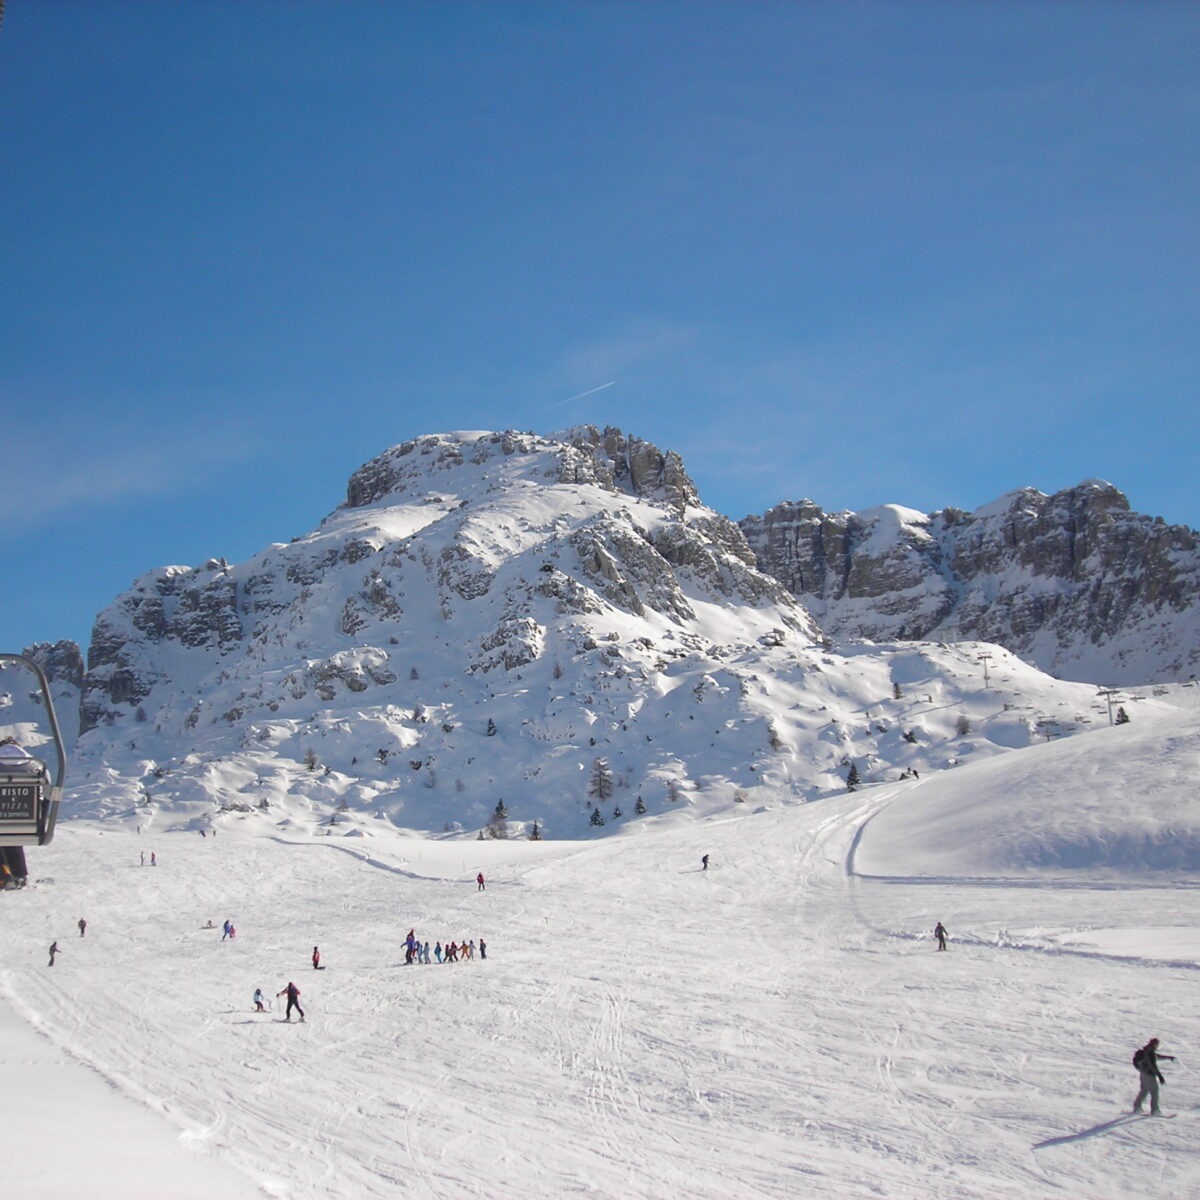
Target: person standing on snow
x: 258, y: 1000
x: 1146, y: 1061
x: 704, y: 862
x: 53, y: 951
x: 482, y: 948
x: 939, y: 932
x: 479, y: 880
x: 292, y: 992
x: 316, y: 959
x: 82, y: 927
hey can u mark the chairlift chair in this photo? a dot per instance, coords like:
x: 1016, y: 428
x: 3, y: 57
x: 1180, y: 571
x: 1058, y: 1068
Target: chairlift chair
x: 29, y: 800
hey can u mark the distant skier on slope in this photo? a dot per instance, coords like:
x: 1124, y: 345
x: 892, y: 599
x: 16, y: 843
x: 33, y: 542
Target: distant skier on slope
x: 292, y: 992
x: 939, y: 932
x: 1146, y: 1061
x: 316, y: 959
x: 53, y: 951
x: 258, y: 1000
x: 704, y: 862
x: 479, y: 881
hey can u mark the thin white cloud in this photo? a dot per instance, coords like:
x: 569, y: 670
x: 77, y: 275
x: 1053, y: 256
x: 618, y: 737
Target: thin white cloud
x: 42, y: 485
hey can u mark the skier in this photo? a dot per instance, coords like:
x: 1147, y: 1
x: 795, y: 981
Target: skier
x: 153, y: 859
x: 482, y: 948
x: 82, y: 927
x: 316, y: 959
x: 437, y: 952
x: 425, y: 953
x: 1146, y: 1061
x: 53, y: 952
x: 479, y: 880
x: 704, y: 862
x: 410, y: 947
x: 939, y: 932
x: 227, y: 930
x: 293, y: 999
x: 258, y: 1000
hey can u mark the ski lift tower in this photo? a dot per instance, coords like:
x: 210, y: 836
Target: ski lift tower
x: 29, y: 797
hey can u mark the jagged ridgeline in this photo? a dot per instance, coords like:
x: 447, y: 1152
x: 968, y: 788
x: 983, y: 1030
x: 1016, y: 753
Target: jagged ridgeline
x: 1075, y: 582
x: 483, y: 618
x: 558, y: 628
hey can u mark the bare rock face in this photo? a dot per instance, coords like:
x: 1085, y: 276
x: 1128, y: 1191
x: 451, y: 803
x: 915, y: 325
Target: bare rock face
x: 1074, y: 582
x: 516, y: 537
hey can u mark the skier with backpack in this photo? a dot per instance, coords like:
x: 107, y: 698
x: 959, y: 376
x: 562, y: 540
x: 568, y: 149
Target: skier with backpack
x: 1146, y: 1061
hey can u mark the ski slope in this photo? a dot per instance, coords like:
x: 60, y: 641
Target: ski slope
x: 779, y: 1025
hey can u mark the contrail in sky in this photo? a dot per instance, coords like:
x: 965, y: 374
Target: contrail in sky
x: 589, y: 392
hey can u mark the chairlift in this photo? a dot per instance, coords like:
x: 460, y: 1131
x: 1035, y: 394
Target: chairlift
x: 29, y: 800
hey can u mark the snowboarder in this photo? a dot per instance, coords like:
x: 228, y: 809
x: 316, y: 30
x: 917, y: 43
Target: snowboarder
x: 316, y: 959
x: 1146, y: 1061
x: 939, y: 932
x: 292, y: 992
x: 53, y: 952
x: 479, y: 880
x: 258, y: 1000
x: 704, y: 862
x: 482, y: 948
x: 82, y: 927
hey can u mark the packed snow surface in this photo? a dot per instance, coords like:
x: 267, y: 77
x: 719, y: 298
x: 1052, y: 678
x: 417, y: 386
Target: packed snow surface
x: 777, y: 1025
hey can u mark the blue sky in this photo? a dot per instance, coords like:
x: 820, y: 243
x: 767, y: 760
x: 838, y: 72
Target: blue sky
x: 918, y: 253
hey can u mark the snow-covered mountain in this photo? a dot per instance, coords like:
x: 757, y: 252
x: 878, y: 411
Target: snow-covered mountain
x: 551, y: 628
x: 1075, y: 583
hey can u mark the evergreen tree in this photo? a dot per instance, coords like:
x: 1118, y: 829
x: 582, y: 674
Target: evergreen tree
x: 597, y: 819
x: 491, y: 727
x: 617, y: 814
x: 536, y: 833
x: 853, y: 779
x: 640, y: 806
x: 600, y: 786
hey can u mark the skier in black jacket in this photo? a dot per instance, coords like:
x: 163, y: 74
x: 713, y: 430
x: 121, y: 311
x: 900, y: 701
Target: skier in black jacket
x: 1146, y: 1061
x: 293, y: 997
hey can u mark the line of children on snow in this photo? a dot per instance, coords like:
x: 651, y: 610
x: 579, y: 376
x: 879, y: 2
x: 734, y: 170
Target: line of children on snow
x: 416, y: 951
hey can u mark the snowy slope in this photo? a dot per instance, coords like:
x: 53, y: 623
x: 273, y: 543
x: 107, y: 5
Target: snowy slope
x: 778, y: 1025
x: 555, y: 625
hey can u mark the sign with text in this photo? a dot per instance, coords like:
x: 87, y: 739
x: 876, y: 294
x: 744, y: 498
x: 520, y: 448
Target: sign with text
x: 18, y: 801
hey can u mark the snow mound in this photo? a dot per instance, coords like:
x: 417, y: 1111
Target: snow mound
x: 1118, y: 803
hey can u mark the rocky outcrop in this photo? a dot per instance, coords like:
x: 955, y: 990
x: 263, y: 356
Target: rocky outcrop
x: 1075, y: 583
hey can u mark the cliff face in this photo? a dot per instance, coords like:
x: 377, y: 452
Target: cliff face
x: 1075, y: 582
x: 496, y: 530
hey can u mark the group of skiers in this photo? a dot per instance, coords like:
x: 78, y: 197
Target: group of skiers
x: 416, y: 951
